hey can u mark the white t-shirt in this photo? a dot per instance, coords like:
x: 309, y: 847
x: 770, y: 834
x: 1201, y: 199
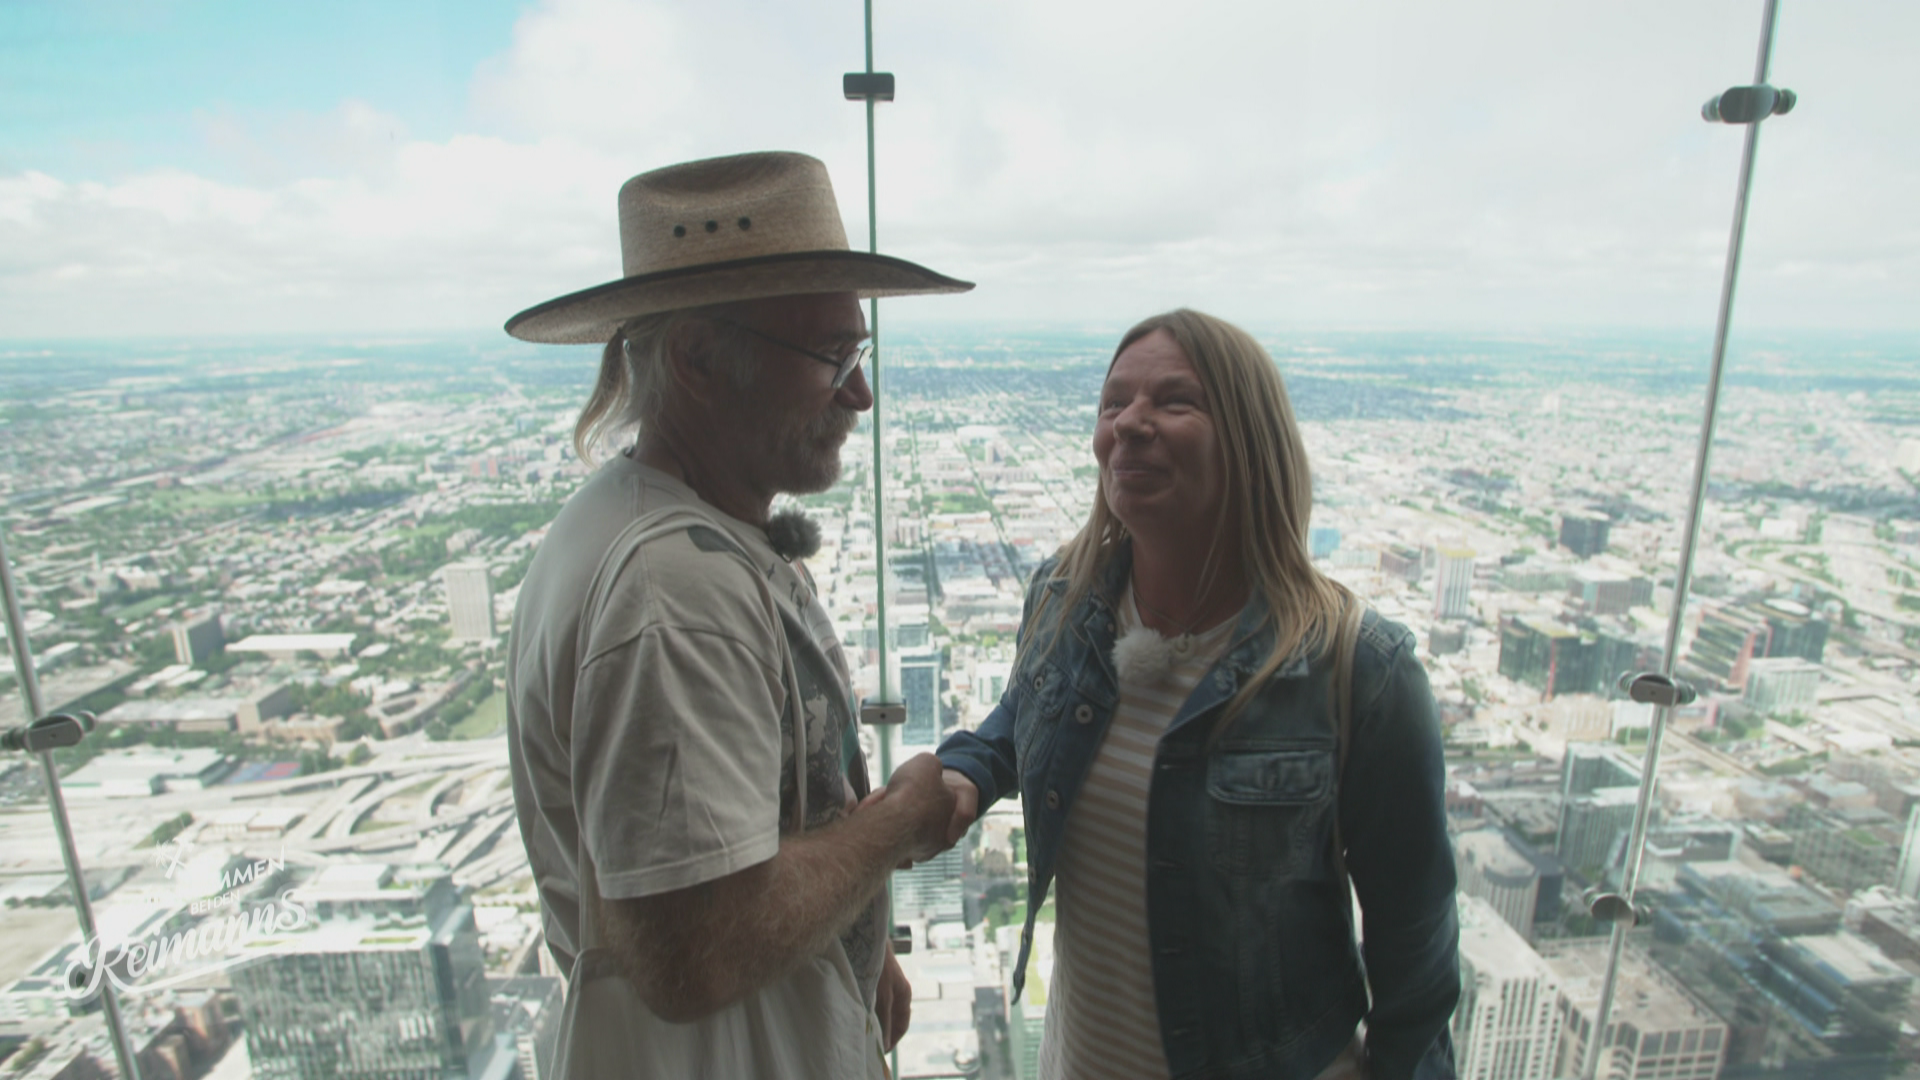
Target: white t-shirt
x: 661, y: 731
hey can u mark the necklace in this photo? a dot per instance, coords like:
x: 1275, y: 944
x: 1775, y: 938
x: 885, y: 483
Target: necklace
x: 1182, y: 637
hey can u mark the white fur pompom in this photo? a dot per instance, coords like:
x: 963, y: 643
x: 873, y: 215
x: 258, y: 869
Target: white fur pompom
x: 1142, y: 656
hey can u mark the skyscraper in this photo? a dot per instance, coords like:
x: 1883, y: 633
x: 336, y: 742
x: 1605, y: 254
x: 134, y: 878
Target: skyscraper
x: 469, y: 601
x: 1591, y: 824
x: 1507, y: 1025
x: 1451, y: 583
x: 1796, y: 630
x: 196, y: 638
x: 920, y: 689
x: 1584, y: 534
x: 1781, y: 685
x: 384, y: 981
x: 1561, y: 660
x: 1503, y: 879
x: 930, y: 890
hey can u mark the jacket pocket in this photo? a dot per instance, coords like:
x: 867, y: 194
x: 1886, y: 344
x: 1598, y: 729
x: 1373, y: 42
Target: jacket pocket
x: 1268, y: 811
x: 1037, y: 712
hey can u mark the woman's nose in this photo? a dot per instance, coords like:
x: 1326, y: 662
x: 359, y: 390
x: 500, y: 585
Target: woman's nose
x: 1132, y: 423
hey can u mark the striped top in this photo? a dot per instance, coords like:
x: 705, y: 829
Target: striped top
x: 1101, y: 1019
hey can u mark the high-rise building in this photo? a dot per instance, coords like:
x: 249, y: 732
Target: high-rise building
x: 526, y: 1013
x: 469, y: 601
x: 1658, y: 1029
x: 1491, y: 871
x: 1591, y: 825
x: 1591, y: 766
x: 1402, y: 561
x: 1604, y: 593
x: 1906, y: 876
x: 1584, y: 534
x: 385, y: 981
x: 1558, y: 659
x: 1733, y: 636
x: 1452, y: 582
x: 1846, y: 848
x: 1781, y: 685
x: 1796, y: 630
x: 920, y: 690
x: 1729, y: 638
x: 1507, y: 1025
x: 930, y: 890
x: 1027, y: 1016
x: 198, y: 637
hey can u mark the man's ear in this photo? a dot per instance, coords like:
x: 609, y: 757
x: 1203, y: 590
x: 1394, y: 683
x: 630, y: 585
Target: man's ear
x: 689, y: 354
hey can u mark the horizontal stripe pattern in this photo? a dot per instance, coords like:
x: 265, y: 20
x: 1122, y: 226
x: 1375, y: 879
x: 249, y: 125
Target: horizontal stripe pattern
x: 1101, y: 1018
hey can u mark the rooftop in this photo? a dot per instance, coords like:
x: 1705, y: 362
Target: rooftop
x: 1646, y: 996
x: 1492, y: 947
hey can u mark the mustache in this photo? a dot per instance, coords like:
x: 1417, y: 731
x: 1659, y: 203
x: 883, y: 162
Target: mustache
x: 837, y: 421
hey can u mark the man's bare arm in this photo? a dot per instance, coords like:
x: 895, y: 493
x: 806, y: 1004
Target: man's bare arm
x: 693, y: 951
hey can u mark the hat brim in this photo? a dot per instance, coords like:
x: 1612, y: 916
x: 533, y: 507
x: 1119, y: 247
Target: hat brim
x: 590, y: 316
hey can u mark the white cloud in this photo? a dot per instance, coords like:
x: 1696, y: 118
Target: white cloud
x: 1490, y: 162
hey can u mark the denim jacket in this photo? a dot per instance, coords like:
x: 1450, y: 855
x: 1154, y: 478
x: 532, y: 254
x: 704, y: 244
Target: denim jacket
x: 1255, y: 971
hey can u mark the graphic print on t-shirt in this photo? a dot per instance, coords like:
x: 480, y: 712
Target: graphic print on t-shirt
x: 820, y: 669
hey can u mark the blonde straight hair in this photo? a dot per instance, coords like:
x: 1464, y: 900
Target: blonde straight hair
x: 1264, y: 517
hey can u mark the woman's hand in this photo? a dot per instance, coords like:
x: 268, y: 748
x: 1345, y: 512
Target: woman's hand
x: 966, y: 804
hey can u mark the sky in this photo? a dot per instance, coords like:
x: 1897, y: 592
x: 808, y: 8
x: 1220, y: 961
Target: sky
x: 239, y: 167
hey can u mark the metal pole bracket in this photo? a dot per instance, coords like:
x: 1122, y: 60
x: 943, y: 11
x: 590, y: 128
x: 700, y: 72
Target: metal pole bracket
x: 867, y: 85
x: 48, y: 733
x: 1748, y: 104
x: 1653, y: 688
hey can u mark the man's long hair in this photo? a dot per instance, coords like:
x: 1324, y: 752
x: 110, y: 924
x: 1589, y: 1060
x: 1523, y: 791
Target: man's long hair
x: 1264, y: 515
x: 634, y: 383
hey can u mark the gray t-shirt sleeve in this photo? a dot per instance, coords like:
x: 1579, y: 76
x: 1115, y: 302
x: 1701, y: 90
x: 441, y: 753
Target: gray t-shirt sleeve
x: 677, y: 742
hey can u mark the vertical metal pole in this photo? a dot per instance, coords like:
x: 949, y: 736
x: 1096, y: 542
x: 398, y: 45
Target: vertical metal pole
x: 57, y: 805
x: 885, y: 695
x: 1683, y: 577
x: 879, y: 478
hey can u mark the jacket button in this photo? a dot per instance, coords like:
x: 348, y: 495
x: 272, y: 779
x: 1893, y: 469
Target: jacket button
x: 1053, y: 800
x: 1039, y: 681
x: 1083, y: 714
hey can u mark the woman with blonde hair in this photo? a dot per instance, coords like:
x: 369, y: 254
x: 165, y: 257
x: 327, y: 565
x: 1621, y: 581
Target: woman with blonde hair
x: 1209, y: 738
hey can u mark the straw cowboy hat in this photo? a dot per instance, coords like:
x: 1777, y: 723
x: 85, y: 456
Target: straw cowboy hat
x: 723, y: 229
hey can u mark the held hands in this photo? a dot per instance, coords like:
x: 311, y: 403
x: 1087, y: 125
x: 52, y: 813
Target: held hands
x: 926, y: 803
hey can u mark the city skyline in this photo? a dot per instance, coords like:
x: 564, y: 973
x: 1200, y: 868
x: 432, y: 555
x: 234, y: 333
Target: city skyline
x: 244, y: 570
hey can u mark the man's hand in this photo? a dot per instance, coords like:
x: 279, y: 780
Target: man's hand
x: 893, y: 1004
x: 966, y: 804
x: 918, y: 793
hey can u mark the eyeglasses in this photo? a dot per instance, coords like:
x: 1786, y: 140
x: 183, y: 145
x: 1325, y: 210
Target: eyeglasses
x: 843, y: 368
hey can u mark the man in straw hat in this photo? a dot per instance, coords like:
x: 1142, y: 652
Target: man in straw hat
x: 710, y: 859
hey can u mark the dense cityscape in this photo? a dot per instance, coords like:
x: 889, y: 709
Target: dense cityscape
x: 281, y: 576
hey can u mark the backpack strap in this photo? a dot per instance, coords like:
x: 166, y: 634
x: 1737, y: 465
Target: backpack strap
x: 1346, y: 642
